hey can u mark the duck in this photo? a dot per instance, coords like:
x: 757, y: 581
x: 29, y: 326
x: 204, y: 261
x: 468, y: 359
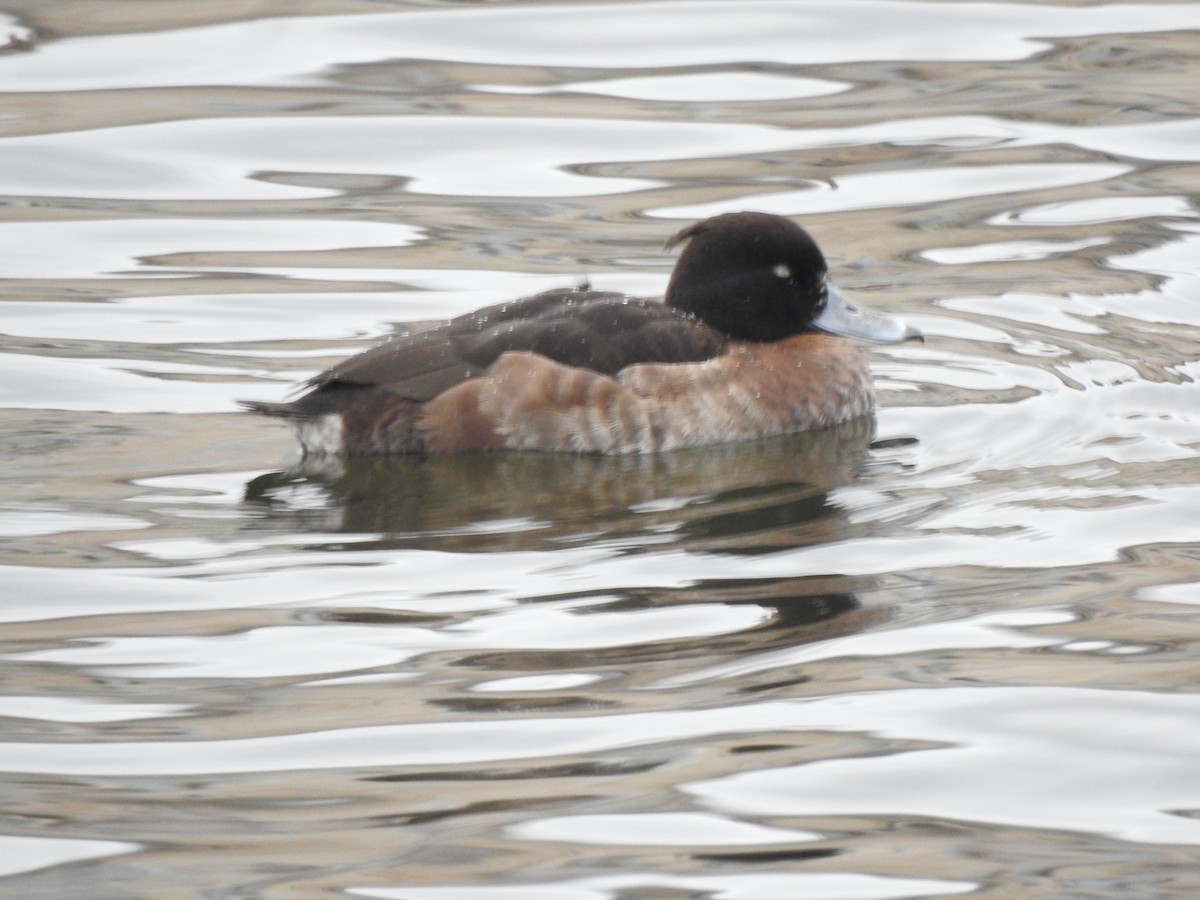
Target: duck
x: 749, y: 341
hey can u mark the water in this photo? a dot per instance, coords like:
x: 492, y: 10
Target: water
x: 951, y: 655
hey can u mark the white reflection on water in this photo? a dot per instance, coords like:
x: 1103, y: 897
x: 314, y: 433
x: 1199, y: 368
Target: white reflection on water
x: 26, y: 854
x: 656, y: 829
x: 1007, y: 251
x: 70, y: 709
x: 31, y: 520
x: 312, y: 315
x: 700, y: 33
x: 999, y: 757
x: 116, y: 385
x: 1172, y: 300
x: 225, y: 158
x: 556, y: 682
x: 1186, y: 593
x: 884, y: 189
x: 94, y: 248
x: 993, y: 630
x: 740, y: 886
x: 706, y: 87
x: 1041, y: 537
x: 1095, y: 210
x: 313, y: 649
x: 1030, y: 757
x: 418, y: 580
x: 1174, y: 260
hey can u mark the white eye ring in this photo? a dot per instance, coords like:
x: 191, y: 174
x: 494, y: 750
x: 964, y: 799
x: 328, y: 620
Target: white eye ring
x: 782, y: 270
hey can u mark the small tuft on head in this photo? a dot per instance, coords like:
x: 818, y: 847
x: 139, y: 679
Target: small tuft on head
x: 757, y: 233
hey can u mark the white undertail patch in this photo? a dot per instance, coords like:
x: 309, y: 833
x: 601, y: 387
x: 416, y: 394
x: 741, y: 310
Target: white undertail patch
x: 319, y: 436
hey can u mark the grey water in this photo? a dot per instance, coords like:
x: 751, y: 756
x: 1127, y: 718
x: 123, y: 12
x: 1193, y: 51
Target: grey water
x: 952, y: 651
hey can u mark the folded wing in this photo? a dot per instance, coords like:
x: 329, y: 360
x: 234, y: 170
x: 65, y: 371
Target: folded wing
x: 601, y: 331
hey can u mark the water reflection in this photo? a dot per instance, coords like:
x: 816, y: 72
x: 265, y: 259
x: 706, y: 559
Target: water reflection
x: 733, y: 497
x: 781, y: 886
x: 995, y: 760
x: 960, y: 658
x: 287, y: 50
x: 267, y: 159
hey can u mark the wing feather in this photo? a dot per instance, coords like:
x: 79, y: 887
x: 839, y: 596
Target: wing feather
x: 601, y: 331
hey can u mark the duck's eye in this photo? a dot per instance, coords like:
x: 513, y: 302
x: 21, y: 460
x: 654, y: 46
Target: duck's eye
x: 782, y: 270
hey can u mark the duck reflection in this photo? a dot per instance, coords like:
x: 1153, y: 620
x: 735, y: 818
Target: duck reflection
x: 798, y: 611
x: 743, y: 498
x: 730, y: 499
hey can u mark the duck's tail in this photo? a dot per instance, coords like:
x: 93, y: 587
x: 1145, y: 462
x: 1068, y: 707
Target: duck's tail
x: 264, y: 408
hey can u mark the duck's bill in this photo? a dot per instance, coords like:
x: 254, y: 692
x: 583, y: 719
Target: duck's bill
x: 847, y: 319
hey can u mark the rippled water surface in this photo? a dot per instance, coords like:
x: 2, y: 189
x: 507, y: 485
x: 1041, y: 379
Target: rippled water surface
x: 950, y: 652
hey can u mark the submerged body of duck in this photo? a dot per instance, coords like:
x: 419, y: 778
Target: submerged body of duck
x: 744, y: 345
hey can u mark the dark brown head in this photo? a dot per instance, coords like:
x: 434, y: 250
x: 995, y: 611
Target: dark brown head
x: 761, y: 277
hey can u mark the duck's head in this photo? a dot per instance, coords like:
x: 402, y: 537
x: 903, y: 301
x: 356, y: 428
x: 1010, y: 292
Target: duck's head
x: 759, y: 277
